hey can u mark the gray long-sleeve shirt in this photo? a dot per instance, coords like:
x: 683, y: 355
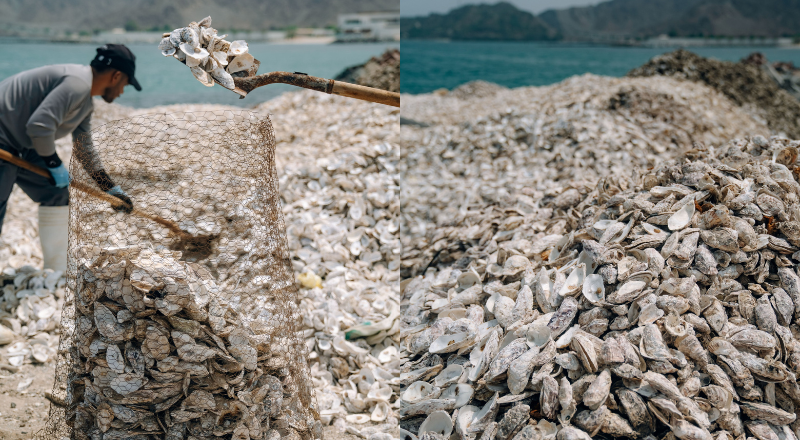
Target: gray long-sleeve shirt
x: 41, y: 105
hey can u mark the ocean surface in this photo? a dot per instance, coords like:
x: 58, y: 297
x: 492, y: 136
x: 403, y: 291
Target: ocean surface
x: 427, y: 65
x: 165, y: 81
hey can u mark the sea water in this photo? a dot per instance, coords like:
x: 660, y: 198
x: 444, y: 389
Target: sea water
x: 428, y: 65
x: 166, y: 81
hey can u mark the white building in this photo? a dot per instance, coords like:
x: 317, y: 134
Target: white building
x: 369, y: 26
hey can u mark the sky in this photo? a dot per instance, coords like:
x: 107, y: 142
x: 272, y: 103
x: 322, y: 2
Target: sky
x: 425, y: 7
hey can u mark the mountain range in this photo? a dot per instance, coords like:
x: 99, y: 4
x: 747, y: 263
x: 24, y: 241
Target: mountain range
x: 88, y: 15
x: 614, y: 19
x: 501, y: 21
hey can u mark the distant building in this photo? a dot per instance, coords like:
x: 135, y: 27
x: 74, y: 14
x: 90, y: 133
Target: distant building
x: 369, y: 26
x: 313, y: 32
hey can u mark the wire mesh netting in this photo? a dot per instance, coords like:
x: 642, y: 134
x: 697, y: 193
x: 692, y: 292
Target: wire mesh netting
x: 180, y: 319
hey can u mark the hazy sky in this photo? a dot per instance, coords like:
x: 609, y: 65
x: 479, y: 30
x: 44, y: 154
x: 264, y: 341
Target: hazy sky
x: 425, y: 7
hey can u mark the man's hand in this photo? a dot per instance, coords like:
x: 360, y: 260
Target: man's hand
x: 60, y: 175
x: 117, y: 192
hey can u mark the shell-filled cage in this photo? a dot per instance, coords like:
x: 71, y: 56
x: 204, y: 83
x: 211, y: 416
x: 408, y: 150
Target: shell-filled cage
x: 181, y: 315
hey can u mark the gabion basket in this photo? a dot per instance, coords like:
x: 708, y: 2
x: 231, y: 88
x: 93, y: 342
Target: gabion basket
x: 165, y: 337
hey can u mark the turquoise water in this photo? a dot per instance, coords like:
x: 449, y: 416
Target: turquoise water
x: 429, y: 65
x: 166, y: 81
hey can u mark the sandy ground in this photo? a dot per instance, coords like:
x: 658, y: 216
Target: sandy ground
x: 24, y: 413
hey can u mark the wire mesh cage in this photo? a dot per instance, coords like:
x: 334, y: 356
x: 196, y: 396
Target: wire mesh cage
x: 180, y: 319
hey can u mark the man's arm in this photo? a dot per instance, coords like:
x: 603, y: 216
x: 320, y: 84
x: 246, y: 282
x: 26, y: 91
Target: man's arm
x: 84, y: 151
x: 87, y: 155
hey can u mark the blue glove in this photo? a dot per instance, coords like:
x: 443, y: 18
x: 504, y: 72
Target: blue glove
x: 117, y: 192
x: 60, y: 175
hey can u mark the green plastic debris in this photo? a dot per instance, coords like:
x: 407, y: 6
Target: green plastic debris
x: 368, y: 328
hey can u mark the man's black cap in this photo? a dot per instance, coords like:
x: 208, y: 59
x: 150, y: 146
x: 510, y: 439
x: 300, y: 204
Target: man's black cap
x: 119, y: 57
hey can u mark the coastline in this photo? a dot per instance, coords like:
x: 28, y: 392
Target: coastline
x: 166, y: 81
x: 156, y: 37
x: 300, y: 40
x: 668, y: 43
x: 430, y: 65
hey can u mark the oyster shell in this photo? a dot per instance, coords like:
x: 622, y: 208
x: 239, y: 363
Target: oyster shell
x: 202, y: 50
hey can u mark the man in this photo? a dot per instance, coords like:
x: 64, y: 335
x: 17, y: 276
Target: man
x: 41, y: 105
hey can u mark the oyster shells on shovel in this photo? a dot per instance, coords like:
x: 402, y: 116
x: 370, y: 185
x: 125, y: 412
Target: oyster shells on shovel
x: 210, y: 57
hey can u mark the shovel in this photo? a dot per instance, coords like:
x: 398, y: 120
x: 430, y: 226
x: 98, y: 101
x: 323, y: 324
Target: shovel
x: 248, y: 84
x: 194, y: 246
x: 246, y: 81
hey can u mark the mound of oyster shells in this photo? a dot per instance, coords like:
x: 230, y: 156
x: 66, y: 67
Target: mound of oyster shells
x: 664, y: 307
x: 209, y: 56
x: 744, y: 82
x: 154, y: 335
x: 513, y: 148
x: 30, y: 313
x: 339, y: 184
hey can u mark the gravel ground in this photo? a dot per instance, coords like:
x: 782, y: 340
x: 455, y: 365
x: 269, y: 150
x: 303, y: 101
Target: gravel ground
x: 23, y: 413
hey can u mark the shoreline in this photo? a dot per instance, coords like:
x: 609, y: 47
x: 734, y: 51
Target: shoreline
x: 606, y: 44
x: 514, y: 64
x: 322, y: 41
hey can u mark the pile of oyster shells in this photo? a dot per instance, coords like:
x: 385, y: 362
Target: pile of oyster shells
x: 209, y: 56
x: 664, y: 304
x: 186, y: 353
x: 761, y: 89
x: 339, y: 183
x: 512, y: 149
x: 30, y: 313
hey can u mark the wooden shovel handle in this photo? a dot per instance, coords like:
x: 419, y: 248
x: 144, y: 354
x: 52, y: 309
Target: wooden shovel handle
x: 297, y: 79
x: 22, y: 163
x: 365, y: 93
x: 96, y: 193
x: 114, y: 201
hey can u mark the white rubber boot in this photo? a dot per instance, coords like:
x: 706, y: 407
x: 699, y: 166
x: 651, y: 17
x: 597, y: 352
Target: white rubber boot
x: 53, y: 234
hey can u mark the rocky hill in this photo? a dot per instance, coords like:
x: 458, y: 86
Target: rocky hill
x: 686, y: 18
x: 87, y: 15
x: 612, y: 19
x: 617, y: 17
x: 381, y: 72
x: 501, y: 21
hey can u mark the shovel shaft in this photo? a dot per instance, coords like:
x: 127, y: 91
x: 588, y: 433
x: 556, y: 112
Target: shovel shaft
x: 84, y: 188
x: 365, y: 93
x: 96, y: 193
x: 22, y: 163
x: 247, y: 85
